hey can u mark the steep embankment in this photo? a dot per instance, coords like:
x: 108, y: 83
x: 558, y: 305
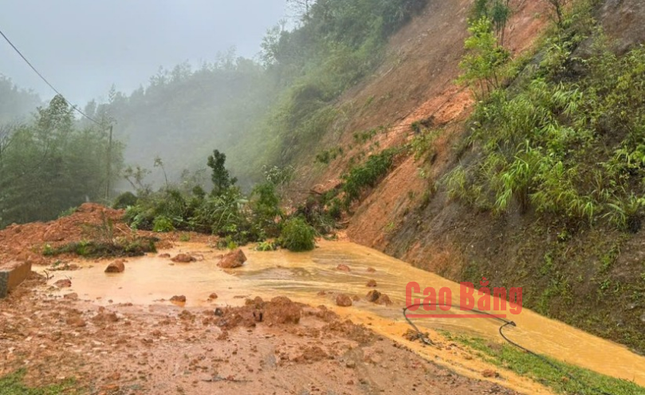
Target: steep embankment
x: 588, y: 276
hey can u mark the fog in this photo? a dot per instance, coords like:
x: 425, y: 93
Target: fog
x: 83, y: 47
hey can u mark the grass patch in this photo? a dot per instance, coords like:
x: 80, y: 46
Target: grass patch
x: 513, y: 359
x: 97, y: 249
x: 13, y: 384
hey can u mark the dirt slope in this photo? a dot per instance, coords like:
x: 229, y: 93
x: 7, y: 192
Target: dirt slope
x: 409, y: 216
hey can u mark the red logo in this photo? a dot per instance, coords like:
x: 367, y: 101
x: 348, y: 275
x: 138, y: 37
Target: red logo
x: 487, y: 304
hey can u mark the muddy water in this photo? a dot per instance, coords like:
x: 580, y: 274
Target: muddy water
x: 150, y: 280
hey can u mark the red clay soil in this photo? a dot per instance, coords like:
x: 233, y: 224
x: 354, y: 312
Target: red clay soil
x: 27, y: 242
x: 402, y: 190
x: 268, y: 347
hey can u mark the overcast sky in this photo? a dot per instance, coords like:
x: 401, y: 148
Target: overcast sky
x: 83, y: 46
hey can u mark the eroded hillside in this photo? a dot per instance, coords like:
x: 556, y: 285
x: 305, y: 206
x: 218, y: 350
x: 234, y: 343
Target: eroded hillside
x: 410, y: 214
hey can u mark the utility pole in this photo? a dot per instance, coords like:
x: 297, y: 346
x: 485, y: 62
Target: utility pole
x: 109, y: 167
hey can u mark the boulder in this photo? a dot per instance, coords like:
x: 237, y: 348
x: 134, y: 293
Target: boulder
x: 116, y: 267
x: 232, y: 260
x: 343, y: 300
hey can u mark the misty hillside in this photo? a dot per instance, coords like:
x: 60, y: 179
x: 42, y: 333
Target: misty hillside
x: 259, y: 112
x: 16, y: 104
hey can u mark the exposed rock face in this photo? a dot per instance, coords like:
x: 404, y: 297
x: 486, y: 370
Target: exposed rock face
x: 233, y: 259
x: 343, y: 300
x: 12, y: 274
x: 116, y: 267
x: 624, y: 21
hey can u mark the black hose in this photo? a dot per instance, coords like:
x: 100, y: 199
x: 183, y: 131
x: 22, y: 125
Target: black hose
x: 506, y: 323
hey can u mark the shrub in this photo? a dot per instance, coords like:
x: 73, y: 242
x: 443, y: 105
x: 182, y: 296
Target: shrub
x: 297, y: 235
x: 162, y: 224
x: 125, y: 200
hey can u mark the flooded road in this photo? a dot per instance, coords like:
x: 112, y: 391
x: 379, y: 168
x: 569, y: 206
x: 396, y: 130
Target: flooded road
x: 302, y: 277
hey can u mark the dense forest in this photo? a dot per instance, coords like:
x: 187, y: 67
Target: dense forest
x: 15, y: 104
x: 261, y: 112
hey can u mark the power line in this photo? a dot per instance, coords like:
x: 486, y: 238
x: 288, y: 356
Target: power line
x: 75, y: 108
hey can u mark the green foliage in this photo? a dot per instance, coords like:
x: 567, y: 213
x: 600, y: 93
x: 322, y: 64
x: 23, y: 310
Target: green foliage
x: 13, y: 384
x: 105, y: 249
x: 525, y: 364
x: 162, y: 224
x: 220, y: 176
x: 367, y: 175
x: 266, y: 246
x: 52, y: 164
x: 68, y: 212
x: 482, y: 64
x: 563, y: 143
x: 124, y: 200
x: 297, y: 235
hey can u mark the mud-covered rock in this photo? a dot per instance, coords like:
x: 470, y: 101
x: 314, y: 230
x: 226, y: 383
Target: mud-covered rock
x: 373, y: 296
x: 233, y: 259
x: 183, y: 258
x: 116, y: 267
x: 65, y: 283
x: 281, y: 310
x: 343, y: 300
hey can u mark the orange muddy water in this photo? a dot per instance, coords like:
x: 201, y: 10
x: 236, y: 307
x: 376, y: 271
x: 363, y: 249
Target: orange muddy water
x: 302, y: 277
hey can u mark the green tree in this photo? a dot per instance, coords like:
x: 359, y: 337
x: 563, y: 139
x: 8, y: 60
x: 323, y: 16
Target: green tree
x: 220, y: 176
x: 485, y: 57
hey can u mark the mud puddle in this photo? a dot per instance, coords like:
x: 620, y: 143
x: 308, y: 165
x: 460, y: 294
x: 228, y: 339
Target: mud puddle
x: 313, y: 278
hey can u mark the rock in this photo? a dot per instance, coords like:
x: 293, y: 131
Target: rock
x: 373, y: 296
x: 66, y: 283
x: 76, y: 322
x: 105, y: 317
x: 183, y: 258
x: 178, y: 299
x: 343, y: 268
x: 164, y: 255
x: 371, y: 270
x: 212, y: 296
x: 384, y: 300
x: 371, y: 283
x: 489, y: 373
x: 378, y: 298
x: 72, y: 296
x: 116, y: 267
x: 343, y: 300
x: 232, y: 260
x: 281, y: 310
